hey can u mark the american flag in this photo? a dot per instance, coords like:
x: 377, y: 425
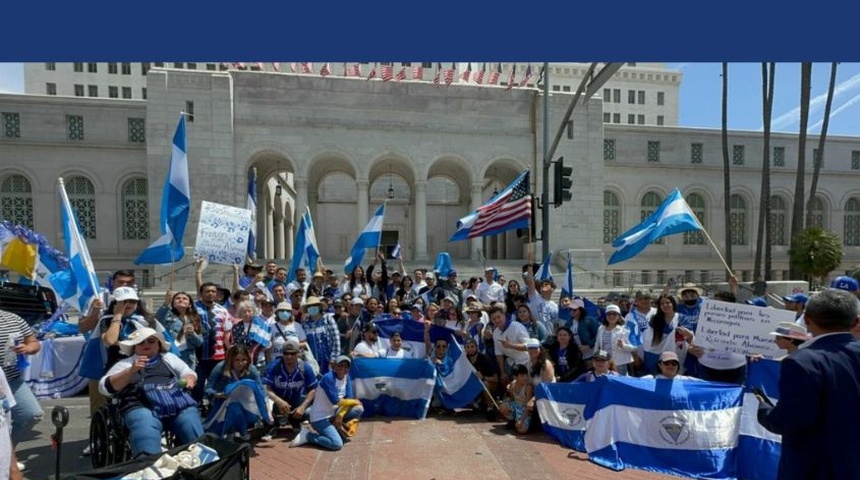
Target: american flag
x: 418, y: 72
x: 276, y: 66
x: 494, y: 76
x: 511, y: 77
x: 355, y: 70
x: 293, y: 67
x: 511, y: 208
x: 449, y: 75
x: 372, y: 73
x: 401, y: 75
x: 387, y: 72
x: 325, y: 70
x: 466, y: 74
x: 527, y: 76
x: 438, y: 73
x: 478, y: 77
x: 307, y: 67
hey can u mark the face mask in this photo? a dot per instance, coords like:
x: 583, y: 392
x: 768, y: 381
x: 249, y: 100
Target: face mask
x: 313, y: 310
x: 283, y: 316
x: 691, y: 303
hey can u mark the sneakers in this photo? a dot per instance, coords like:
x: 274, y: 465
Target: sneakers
x: 302, y: 437
x: 87, y: 451
x: 21, y: 466
x: 269, y: 435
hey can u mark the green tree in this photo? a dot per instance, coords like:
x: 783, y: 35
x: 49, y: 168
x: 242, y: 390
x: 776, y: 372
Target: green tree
x: 815, y: 253
x: 817, y: 162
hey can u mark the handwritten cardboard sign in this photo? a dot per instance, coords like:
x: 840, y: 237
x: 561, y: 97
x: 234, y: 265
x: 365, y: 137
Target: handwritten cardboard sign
x: 222, y: 233
x: 740, y: 328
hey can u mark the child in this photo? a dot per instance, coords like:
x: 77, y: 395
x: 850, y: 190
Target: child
x: 519, y: 393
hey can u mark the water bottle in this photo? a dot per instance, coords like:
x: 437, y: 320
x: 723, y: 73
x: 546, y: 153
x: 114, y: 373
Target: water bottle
x: 23, y: 361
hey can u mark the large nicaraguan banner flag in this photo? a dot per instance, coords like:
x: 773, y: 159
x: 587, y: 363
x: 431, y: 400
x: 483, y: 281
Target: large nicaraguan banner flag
x: 759, y: 449
x: 394, y: 387
x: 686, y: 428
x: 562, y: 409
x: 410, y: 331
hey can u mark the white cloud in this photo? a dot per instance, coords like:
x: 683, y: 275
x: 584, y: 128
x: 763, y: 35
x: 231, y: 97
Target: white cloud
x: 853, y: 101
x: 792, y: 117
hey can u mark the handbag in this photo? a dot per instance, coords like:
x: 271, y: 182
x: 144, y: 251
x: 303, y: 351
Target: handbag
x: 167, y: 399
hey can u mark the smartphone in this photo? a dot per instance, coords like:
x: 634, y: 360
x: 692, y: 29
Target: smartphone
x: 758, y: 391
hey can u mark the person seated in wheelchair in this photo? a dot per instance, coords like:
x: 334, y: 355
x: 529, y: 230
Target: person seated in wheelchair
x: 236, y: 394
x: 151, y: 386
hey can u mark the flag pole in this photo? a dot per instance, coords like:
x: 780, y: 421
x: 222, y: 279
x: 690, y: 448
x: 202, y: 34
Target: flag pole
x: 531, y: 239
x: 714, y: 245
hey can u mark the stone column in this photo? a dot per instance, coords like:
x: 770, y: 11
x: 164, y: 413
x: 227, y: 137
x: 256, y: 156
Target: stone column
x: 301, y: 184
x: 421, y: 221
x: 279, y: 236
x: 363, y: 214
x: 475, y: 203
x: 268, y: 225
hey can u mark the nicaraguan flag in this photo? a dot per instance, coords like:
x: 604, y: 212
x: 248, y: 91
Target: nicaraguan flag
x: 368, y: 238
x: 305, y: 250
x: 567, y: 285
x: 759, y: 449
x: 394, y: 387
x: 244, y: 405
x: 81, y: 283
x: 562, y: 409
x: 397, y: 252
x: 251, y: 205
x: 457, y: 377
x: 175, y: 207
x: 673, y: 216
x: 544, y: 272
x: 685, y: 428
x: 444, y: 264
x: 260, y: 332
x: 411, y: 332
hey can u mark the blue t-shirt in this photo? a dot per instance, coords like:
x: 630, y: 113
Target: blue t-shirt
x: 291, y: 386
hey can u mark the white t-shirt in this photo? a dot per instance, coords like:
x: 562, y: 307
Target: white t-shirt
x: 364, y: 349
x: 293, y: 330
x: 667, y: 344
x: 322, y: 406
x: 544, y: 311
x: 489, y: 293
x: 402, y: 353
x: 515, y: 333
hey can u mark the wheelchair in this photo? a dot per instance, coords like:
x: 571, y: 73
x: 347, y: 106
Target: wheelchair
x: 110, y: 442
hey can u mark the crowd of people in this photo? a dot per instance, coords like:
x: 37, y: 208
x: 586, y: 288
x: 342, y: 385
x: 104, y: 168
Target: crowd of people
x: 289, y: 340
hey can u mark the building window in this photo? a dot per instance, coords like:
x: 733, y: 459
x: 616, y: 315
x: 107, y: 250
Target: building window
x: 93, y: 90
x: 816, y: 158
x: 616, y: 118
x: 16, y: 201
x: 113, y: 68
x: 427, y: 65
x: 607, y: 95
x: 645, y: 276
x: 211, y: 67
x: 609, y: 149
x: 144, y: 68
x: 640, y: 119
x: 616, y: 96
x: 78, y: 67
x: 159, y: 64
x: 611, y: 217
x: 631, y: 119
x: 75, y: 124
x: 565, y: 88
x: 177, y: 64
x: 641, y: 97
x: 82, y: 198
x: 11, y: 125
x: 737, y: 154
x: 126, y: 69
x: 778, y: 225
x: 697, y: 204
x: 143, y: 93
x: 660, y: 120
x: 79, y: 90
x: 738, y: 220
x: 778, y: 156
x: 126, y: 92
x: 93, y: 67
x: 661, y: 98
x: 137, y: 130
x: 556, y: 88
x: 696, y: 152
x: 653, y: 151
x: 855, y: 160
x: 50, y: 66
x: 852, y: 222
x: 135, y: 208
x: 818, y: 214
x: 191, y: 66
x: 189, y: 110
x: 607, y: 117
x: 50, y: 88
x: 650, y: 202
x: 113, y: 92
x: 631, y: 96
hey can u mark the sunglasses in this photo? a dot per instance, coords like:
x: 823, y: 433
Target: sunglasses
x: 290, y: 353
x: 671, y: 362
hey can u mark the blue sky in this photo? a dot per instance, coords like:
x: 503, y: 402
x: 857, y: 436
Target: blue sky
x: 701, y: 95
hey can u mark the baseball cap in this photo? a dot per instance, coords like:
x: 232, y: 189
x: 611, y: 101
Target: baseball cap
x: 343, y: 358
x: 284, y: 306
x: 356, y: 301
x: 849, y: 284
x: 370, y: 327
x: 121, y: 294
x: 668, y: 357
x: 757, y: 301
x: 602, y: 355
x: 613, y: 308
x: 532, y: 343
x: 577, y: 303
x: 801, y: 298
x: 291, y: 346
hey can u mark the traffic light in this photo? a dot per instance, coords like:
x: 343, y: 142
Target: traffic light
x: 562, y: 183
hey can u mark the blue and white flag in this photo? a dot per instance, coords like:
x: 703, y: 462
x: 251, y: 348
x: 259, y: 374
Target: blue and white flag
x: 544, y: 272
x: 251, y: 205
x: 305, y: 250
x: 457, y: 377
x: 79, y: 283
x: 368, y: 238
x: 685, y: 428
x: 260, y: 332
x: 673, y: 216
x: 562, y: 409
x: 397, y: 252
x: 248, y: 395
x: 567, y: 285
x: 394, y: 387
x: 443, y: 265
x: 759, y: 449
x: 175, y: 207
x: 411, y: 332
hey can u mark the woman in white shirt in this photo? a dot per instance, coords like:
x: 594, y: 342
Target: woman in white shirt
x: 613, y: 336
x: 660, y: 336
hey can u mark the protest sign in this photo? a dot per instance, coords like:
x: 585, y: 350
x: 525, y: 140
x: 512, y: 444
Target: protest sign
x: 740, y: 328
x: 222, y: 233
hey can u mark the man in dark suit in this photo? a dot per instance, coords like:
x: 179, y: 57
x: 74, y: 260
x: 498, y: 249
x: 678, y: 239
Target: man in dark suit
x: 819, y: 391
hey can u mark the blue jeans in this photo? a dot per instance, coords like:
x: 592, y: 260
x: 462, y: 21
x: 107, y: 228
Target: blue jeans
x: 27, y: 413
x: 145, y: 428
x: 327, y: 435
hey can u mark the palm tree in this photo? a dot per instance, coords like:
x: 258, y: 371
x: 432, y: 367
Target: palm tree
x: 797, y: 213
x: 816, y: 162
x: 768, y: 237
x: 727, y: 187
x: 815, y: 252
x: 764, y: 206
